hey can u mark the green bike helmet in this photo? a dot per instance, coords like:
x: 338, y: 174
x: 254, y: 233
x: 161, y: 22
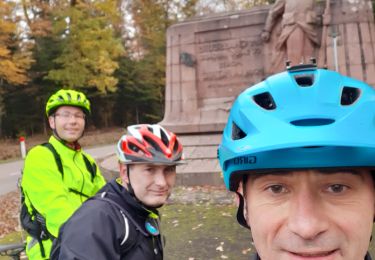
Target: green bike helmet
x: 67, y: 97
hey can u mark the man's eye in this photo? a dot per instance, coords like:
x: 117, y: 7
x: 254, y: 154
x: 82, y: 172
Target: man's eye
x: 277, y: 189
x: 337, y: 188
x: 171, y: 169
x: 150, y: 170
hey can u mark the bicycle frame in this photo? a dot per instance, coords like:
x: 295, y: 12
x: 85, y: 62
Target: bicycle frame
x: 12, y: 250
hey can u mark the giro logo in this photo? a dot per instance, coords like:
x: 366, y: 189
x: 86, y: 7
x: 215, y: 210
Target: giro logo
x: 244, y: 160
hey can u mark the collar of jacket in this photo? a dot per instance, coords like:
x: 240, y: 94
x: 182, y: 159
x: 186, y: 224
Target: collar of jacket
x: 57, y: 143
x: 77, y: 146
x: 137, y: 211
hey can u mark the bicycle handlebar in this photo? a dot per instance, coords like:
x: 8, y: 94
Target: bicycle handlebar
x: 12, y: 249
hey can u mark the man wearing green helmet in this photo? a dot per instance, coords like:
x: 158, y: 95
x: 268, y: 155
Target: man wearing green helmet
x: 58, y: 176
x: 299, y: 150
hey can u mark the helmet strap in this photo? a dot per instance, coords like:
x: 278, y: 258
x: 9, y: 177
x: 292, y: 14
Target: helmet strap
x: 240, y: 211
x: 55, y: 133
x: 130, y: 188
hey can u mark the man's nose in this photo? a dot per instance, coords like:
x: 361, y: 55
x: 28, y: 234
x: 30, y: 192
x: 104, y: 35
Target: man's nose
x: 307, y: 218
x: 72, y: 119
x: 160, y: 179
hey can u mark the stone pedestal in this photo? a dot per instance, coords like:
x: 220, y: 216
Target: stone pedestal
x: 210, y: 61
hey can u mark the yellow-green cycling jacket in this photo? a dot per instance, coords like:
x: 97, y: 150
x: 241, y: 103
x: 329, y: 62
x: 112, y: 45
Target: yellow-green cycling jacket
x: 54, y: 196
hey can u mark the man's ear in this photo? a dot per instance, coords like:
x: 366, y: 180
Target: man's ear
x: 245, y: 215
x: 241, y: 191
x: 238, y: 193
x: 124, y: 173
x: 240, y: 187
x: 242, y: 210
x: 51, y: 121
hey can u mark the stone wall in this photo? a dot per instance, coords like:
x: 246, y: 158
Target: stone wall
x: 210, y: 60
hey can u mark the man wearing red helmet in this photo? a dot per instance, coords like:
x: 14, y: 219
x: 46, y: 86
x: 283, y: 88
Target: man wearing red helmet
x: 122, y: 220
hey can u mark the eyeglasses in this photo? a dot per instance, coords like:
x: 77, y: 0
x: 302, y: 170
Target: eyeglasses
x: 67, y: 115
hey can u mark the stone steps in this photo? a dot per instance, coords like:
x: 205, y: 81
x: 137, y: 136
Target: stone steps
x: 202, y: 167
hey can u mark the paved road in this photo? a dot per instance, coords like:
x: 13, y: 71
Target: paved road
x: 10, y: 172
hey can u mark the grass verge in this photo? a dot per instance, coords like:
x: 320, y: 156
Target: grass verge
x: 204, y: 231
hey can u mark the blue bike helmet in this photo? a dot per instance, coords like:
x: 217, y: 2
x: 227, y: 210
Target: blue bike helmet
x: 298, y: 119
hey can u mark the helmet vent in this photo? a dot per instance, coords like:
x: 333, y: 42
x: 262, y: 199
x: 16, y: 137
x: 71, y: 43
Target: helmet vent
x: 313, y: 122
x: 265, y: 101
x: 175, y: 146
x: 153, y: 144
x: 349, y: 95
x: 304, y: 80
x: 133, y: 147
x: 164, y: 138
x: 237, y: 132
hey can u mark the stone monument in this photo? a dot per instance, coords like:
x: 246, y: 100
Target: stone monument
x: 297, y: 38
x: 210, y: 60
x: 348, y: 39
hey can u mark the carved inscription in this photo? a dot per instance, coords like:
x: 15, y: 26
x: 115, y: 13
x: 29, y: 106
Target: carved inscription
x: 227, y: 67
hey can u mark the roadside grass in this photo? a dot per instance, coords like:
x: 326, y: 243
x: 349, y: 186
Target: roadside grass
x: 204, y: 231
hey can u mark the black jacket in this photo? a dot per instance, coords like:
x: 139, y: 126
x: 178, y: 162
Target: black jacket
x: 100, y: 229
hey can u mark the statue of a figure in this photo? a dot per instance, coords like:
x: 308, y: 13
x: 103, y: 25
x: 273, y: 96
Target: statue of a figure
x: 298, y: 35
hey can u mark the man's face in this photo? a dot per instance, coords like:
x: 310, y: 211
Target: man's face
x: 152, y: 184
x: 311, y: 215
x: 69, y: 123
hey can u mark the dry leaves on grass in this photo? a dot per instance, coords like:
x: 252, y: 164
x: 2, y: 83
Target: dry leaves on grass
x: 10, y: 204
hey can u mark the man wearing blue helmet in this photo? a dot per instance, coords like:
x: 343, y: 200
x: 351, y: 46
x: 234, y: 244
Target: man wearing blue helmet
x: 299, y: 151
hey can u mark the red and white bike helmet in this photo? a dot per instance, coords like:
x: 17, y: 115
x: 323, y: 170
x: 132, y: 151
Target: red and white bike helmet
x: 149, y: 144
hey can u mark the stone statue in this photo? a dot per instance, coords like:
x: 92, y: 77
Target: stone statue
x: 298, y: 37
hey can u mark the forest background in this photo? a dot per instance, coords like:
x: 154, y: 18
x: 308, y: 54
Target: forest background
x: 112, y: 50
